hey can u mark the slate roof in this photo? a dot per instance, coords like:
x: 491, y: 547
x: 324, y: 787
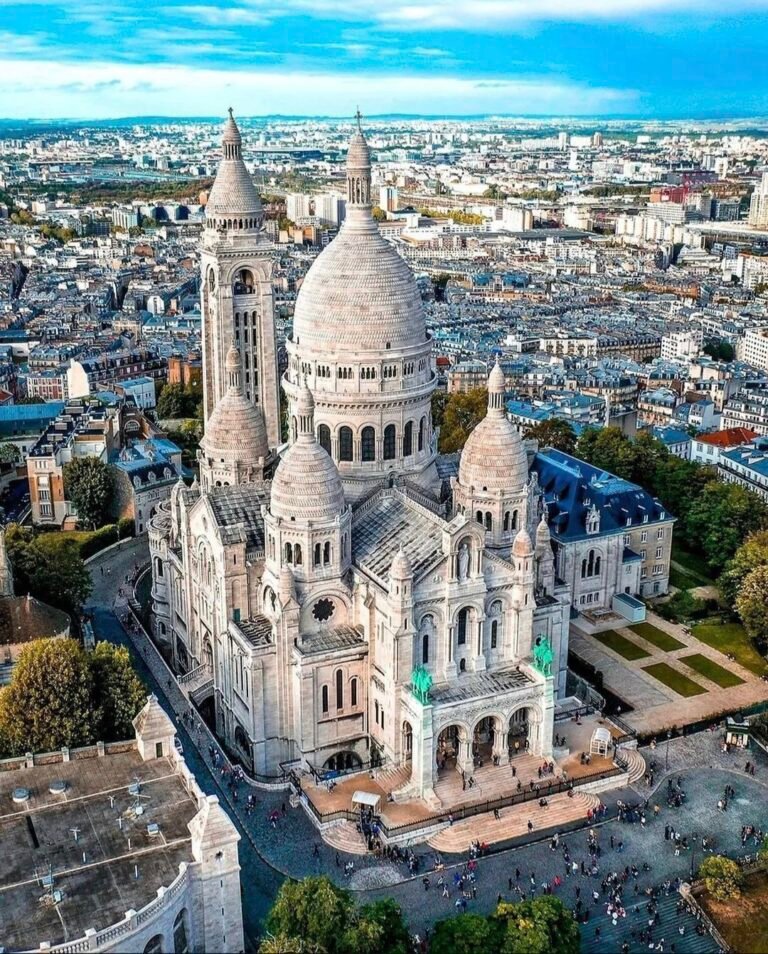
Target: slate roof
x: 388, y: 522
x: 478, y: 685
x: 239, y: 509
x: 257, y: 630
x: 331, y: 639
x: 571, y: 486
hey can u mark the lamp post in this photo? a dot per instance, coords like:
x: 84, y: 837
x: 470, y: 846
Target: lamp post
x: 666, y: 751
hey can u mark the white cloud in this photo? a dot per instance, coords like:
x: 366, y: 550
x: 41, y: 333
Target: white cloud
x: 28, y: 91
x: 218, y: 16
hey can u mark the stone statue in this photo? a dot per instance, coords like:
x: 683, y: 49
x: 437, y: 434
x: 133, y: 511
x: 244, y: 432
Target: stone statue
x: 463, y: 561
x: 543, y: 655
x: 421, y: 683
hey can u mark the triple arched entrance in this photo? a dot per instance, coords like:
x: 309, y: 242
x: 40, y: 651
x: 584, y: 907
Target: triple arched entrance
x: 492, y: 738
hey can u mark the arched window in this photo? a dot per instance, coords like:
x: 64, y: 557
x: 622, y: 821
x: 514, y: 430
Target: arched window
x: 408, y: 439
x: 154, y: 945
x: 288, y: 553
x: 494, y: 633
x: 325, y: 699
x: 316, y: 559
x: 297, y: 554
x: 479, y: 516
x: 488, y: 521
x: 345, y: 443
x: 324, y: 437
x: 463, y: 621
x: 339, y: 689
x: 389, y: 442
x: 158, y: 567
x: 180, y: 943
x: 327, y: 553
x: 425, y: 649
x: 422, y: 433
x: 294, y: 429
x: 462, y: 665
x: 506, y: 521
x: 353, y: 693
x: 515, y: 518
x: 368, y: 444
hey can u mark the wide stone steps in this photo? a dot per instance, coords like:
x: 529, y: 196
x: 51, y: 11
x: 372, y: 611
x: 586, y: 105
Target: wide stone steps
x: 345, y: 837
x: 393, y: 778
x: 513, y: 822
x: 635, y: 764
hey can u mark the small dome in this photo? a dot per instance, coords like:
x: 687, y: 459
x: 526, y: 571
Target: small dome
x: 359, y: 153
x: 233, y: 192
x: 522, y: 547
x: 235, y: 432
x: 494, y: 458
x: 401, y: 566
x: 306, y: 486
x: 543, y: 536
x: 287, y: 584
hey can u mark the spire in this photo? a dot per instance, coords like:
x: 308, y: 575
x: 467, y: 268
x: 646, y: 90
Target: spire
x: 497, y: 388
x: 305, y: 412
x: 231, y: 141
x: 358, y: 168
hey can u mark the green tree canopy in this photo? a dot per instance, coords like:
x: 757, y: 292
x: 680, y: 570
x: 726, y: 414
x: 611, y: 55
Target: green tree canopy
x: 752, y: 603
x: 378, y: 928
x: 465, y: 934
x: 48, y: 566
x: 719, y: 350
x: 88, y: 484
x: 49, y: 702
x: 607, y: 448
x: 315, y: 910
x: 176, y: 401
x: 462, y: 412
x: 539, y: 926
x: 720, y: 518
x: 555, y: 433
x: 722, y: 877
x: 750, y: 555
x: 119, y: 694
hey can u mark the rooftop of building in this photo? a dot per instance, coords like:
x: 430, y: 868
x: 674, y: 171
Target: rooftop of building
x: 730, y: 437
x: 24, y: 618
x: 101, y: 866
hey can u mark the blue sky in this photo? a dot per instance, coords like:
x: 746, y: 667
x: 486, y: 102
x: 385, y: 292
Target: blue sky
x: 655, y: 58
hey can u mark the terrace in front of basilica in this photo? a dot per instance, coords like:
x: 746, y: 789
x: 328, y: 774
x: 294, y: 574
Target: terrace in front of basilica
x: 515, y: 772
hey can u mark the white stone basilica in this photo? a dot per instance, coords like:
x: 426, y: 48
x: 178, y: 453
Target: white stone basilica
x: 310, y: 594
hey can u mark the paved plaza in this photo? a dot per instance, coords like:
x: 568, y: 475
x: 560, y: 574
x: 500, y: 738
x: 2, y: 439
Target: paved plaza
x: 269, y: 853
x: 657, y: 706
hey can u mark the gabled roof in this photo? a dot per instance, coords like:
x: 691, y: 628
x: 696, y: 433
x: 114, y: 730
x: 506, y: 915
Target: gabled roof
x: 730, y: 437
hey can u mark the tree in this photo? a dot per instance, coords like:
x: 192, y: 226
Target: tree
x: 465, y: 934
x: 722, y: 877
x: 378, y: 928
x: 282, y: 944
x: 379, y: 214
x: 9, y: 453
x: 719, y: 350
x: 607, y: 448
x: 752, y: 603
x: 48, y: 566
x: 119, y: 694
x: 750, y: 555
x: 678, y: 483
x: 555, y: 433
x: 48, y: 703
x: 88, y: 484
x: 462, y: 413
x: 720, y: 518
x: 313, y: 909
x: 171, y: 403
x: 539, y: 926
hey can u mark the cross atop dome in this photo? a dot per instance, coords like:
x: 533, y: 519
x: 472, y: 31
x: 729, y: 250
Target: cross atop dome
x: 358, y: 167
x: 359, y: 118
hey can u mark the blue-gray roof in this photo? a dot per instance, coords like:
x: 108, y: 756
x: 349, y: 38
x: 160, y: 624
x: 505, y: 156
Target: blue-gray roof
x: 571, y: 487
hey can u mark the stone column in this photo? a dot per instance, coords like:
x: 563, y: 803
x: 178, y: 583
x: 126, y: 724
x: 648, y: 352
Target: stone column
x: 479, y: 661
x: 501, y: 744
x: 464, y: 760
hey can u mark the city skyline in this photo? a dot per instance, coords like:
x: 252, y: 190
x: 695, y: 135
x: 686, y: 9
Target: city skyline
x: 637, y: 58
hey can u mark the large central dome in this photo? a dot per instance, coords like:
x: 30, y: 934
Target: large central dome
x: 359, y: 295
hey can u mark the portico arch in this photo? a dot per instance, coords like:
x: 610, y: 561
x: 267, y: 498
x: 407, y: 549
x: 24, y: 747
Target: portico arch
x: 454, y: 749
x: 525, y: 724
x: 487, y: 736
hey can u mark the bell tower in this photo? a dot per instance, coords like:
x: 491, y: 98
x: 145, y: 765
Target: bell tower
x: 237, y: 299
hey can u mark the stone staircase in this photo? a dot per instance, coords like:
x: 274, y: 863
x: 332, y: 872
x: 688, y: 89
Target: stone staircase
x: 635, y: 764
x: 513, y: 822
x: 344, y: 836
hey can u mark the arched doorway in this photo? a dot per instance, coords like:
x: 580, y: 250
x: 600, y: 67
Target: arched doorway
x: 449, y: 753
x: 519, y: 727
x: 483, y: 739
x: 407, y: 741
x: 343, y: 762
x: 207, y: 653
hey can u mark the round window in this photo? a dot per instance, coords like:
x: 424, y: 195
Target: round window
x: 323, y: 610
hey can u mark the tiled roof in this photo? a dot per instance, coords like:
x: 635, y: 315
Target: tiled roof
x: 240, y: 507
x: 477, y: 685
x: 257, y: 630
x: 730, y: 437
x: 328, y: 640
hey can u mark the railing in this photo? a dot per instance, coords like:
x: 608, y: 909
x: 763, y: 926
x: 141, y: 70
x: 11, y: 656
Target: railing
x: 545, y: 790
x: 203, y: 670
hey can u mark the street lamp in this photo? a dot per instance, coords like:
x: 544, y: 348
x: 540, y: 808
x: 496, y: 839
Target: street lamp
x: 693, y: 856
x: 666, y: 751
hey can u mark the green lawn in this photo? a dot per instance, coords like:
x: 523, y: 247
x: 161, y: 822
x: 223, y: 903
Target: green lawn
x: 693, y: 565
x: 621, y: 645
x: 731, y: 638
x: 681, y: 579
x: 675, y: 680
x: 705, y: 667
x: 657, y: 637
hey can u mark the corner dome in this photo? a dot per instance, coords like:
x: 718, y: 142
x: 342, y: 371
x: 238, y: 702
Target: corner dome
x: 359, y: 295
x: 522, y: 546
x: 306, y: 485
x: 233, y: 192
x: 494, y: 458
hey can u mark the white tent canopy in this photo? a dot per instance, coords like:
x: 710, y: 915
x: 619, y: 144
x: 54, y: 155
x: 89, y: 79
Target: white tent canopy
x: 366, y: 798
x: 600, y: 742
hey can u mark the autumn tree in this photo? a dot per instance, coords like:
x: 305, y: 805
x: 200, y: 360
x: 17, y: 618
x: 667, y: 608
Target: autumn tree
x: 555, y: 433
x: 464, y: 934
x: 118, y: 693
x: 750, y: 555
x: 752, y: 603
x: 462, y: 413
x: 538, y: 926
x: 722, y: 877
x: 89, y: 484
